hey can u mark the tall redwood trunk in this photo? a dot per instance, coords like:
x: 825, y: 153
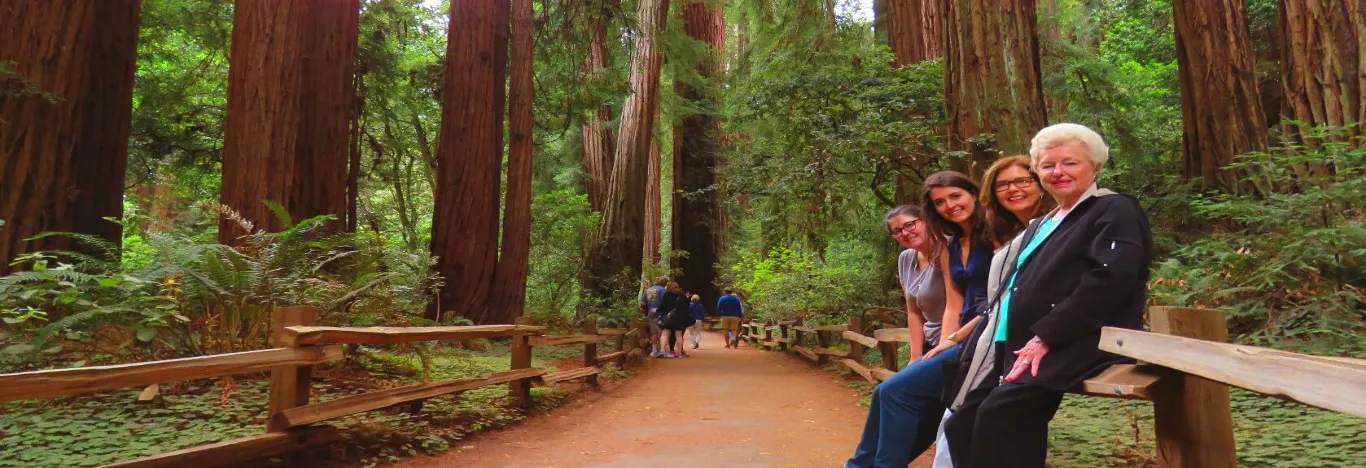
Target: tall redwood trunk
x: 1322, y: 70
x: 289, y: 107
x: 914, y: 30
x: 696, y: 146
x: 992, y: 82
x: 63, y: 157
x: 509, y: 282
x: 469, y: 157
x: 614, y: 260
x: 321, y: 172
x: 598, y: 143
x: 1220, y: 108
x: 261, y: 130
x: 654, y: 206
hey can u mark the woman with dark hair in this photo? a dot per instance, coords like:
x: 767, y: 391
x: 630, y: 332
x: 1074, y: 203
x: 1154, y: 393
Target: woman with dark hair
x: 1014, y: 197
x: 1079, y: 268
x: 949, y: 200
x: 905, y: 407
x: 676, y: 319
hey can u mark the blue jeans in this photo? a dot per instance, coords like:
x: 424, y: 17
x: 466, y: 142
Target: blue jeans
x: 904, y: 415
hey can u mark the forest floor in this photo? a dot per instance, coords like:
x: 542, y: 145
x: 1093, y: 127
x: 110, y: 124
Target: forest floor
x: 720, y: 407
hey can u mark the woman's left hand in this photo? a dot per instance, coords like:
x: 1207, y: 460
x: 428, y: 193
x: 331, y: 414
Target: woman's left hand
x: 944, y: 344
x: 1028, y: 357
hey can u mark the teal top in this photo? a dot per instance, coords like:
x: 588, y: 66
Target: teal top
x: 1045, y: 228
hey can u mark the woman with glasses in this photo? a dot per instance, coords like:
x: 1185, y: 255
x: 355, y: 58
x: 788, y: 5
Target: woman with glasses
x: 905, y: 408
x: 1079, y: 268
x: 1013, y: 197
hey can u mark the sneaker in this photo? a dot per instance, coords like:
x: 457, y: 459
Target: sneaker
x: 674, y: 355
x: 694, y: 346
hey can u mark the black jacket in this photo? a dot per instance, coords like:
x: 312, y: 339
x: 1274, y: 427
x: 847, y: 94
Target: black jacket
x: 1091, y: 272
x: 675, y: 313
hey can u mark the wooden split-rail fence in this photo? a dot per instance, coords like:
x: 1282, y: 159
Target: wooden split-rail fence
x: 1186, y: 367
x: 293, y: 422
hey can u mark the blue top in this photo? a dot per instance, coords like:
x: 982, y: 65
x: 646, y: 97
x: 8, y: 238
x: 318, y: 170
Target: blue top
x: 652, y: 297
x: 971, y: 277
x: 729, y: 306
x: 698, y: 312
x: 1045, y: 228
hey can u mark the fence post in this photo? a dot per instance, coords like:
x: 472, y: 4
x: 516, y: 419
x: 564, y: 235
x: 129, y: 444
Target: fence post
x: 797, y: 335
x: 822, y: 341
x: 521, y: 359
x: 855, y: 348
x: 288, y: 385
x: 1194, y: 420
x: 889, y: 358
x: 590, y: 351
x: 620, y: 345
x: 783, y: 345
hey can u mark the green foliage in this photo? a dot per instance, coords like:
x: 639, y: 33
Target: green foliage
x: 789, y: 284
x: 1287, y: 263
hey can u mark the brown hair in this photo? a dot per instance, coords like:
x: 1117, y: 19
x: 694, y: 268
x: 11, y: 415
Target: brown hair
x: 936, y: 242
x: 1001, y: 223
x: 942, y: 227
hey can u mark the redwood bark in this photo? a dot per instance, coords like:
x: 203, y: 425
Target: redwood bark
x: 63, y: 160
x: 992, y: 82
x: 1220, y: 107
x: 914, y: 30
x: 289, y: 103
x: 1322, y: 72
x: 598, y: 143
x: 509, y: 282
x: 321, y: 172
x: 614, y: 261
x: 469, y: 156
x: 696, y: 147
x: 261, y: 130
x: 654, y: 207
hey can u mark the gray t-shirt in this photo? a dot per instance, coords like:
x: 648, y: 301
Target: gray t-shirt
x: 926, y: 289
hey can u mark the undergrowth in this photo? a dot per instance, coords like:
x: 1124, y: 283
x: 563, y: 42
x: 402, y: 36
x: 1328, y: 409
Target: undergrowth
x: 97, y: 429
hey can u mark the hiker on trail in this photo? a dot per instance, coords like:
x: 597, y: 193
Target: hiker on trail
x: 699, y: 317
x: 650, y: 300
x: 905, y: 408
x: 731, y: 311
x: 1081, y: 267
x: 675, y: 320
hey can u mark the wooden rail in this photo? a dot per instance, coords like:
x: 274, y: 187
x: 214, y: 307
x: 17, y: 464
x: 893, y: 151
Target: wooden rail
x: 301, y: 345
x: 1186, y: 373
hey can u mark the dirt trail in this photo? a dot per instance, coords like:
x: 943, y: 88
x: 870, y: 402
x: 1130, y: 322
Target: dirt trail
x: 721, y: 407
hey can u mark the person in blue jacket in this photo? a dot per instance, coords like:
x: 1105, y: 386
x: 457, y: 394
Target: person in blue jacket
x: 699, y: 316
x: 731, y: 311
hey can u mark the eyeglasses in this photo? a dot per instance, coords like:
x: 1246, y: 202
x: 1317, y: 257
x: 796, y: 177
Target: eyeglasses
x: 1020, y: 183
x: 908, y: 227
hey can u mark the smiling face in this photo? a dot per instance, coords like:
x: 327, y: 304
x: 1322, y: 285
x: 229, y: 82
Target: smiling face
x: 1067, y: 172
x: 1016, y: 191
x: 908, y: 230
x: 954, y: 204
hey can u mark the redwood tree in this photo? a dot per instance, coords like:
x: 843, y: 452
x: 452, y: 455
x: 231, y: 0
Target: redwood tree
x: 914, y: 30
x: 598, y: 143
x: 63, y: 155
x: 322, y: 170
x: 1220, y: 108
x: 289, y: 102
x: 1322, y: 72
x: 469, y: 156
x: 260, y: 132
x: 696, y: 147
x: 654, y: 209
x: 509, y: 282
x: 614, y: 259
x: 992, y: 82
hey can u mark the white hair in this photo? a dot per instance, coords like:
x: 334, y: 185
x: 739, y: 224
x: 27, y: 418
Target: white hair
x: 1063, y: 133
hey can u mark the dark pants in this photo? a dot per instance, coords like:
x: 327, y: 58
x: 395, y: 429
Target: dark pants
x: 1006, y: 426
